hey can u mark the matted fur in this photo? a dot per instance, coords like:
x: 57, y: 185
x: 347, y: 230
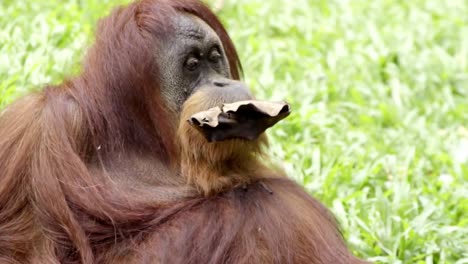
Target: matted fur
x: 63, y: 152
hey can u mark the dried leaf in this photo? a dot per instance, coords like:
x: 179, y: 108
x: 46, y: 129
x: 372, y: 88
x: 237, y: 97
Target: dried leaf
x: 269, y: 108
x: 243, y: 119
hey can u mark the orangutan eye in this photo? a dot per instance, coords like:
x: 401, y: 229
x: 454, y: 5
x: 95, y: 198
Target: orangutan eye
x: 192, y: 63
x: 215, y: 56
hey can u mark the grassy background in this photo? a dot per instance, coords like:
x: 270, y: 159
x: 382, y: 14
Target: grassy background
x: 379, y: 92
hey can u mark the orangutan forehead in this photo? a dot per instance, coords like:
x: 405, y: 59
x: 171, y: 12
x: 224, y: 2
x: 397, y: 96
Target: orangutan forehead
x: 192, y: 27
x: 193, y: 34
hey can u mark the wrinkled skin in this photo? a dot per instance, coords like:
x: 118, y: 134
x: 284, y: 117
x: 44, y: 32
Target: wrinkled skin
x: 194, y: 59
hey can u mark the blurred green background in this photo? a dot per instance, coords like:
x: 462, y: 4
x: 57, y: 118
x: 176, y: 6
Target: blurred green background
x: 379, y: 130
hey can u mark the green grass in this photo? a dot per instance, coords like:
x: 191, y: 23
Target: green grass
x: 379, y: 91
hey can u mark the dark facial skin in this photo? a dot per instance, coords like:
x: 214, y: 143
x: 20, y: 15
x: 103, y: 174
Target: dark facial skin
x: 194, y: 59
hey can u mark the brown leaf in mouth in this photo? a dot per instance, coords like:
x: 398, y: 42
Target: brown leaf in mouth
x: 243, y: 119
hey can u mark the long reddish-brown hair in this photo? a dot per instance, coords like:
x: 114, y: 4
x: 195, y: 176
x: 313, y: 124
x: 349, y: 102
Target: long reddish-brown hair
x: 53, y: 206
x: 66, y: 192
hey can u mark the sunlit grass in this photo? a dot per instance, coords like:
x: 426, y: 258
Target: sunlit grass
x: 379, y: 92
